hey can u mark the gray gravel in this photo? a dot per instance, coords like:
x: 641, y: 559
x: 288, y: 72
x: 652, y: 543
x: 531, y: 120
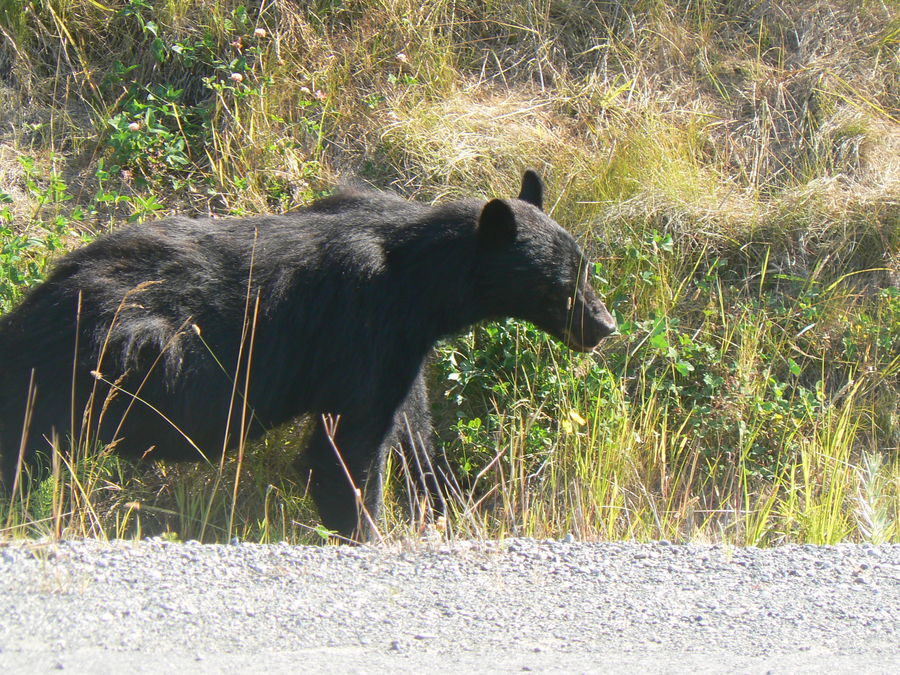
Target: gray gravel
x: 518, y: 605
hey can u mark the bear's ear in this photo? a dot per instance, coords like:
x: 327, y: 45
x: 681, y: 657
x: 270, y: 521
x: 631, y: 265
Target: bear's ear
x: 532, y: 189
x: 496, y: 224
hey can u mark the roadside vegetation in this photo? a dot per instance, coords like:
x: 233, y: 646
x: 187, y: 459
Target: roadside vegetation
x: 733, y: 168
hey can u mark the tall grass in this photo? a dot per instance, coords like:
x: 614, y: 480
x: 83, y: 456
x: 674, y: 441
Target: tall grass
x: 734, y: 168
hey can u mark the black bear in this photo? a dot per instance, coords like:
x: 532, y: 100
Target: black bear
x: 174, y: 339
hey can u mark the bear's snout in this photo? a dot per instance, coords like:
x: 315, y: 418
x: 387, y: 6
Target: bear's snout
x: 590, y: 323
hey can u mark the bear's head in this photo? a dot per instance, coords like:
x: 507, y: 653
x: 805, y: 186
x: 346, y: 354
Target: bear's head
x: 532, y: 269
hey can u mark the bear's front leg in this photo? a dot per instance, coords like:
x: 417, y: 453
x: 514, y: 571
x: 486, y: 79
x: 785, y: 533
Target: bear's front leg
x: 346, y: 454
x: 413, y: 435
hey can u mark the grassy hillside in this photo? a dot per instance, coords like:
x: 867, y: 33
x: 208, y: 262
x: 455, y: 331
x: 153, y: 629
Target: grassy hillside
x: 734, y: 168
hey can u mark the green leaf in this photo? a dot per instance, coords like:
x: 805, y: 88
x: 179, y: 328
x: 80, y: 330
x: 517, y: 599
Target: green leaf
x: 684, y: 367
x: 659, y: 341
x: 666, y: 243
x: 158, y: 47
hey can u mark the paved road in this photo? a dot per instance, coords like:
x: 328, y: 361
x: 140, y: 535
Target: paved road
x: 521, y: 605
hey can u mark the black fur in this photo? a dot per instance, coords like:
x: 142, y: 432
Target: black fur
x: 341, y: 303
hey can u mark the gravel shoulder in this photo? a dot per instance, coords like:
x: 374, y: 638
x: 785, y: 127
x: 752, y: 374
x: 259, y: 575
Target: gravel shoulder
x: 517, y: 605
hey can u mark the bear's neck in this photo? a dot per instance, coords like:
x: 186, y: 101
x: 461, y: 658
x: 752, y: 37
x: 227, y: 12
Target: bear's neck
x: 433, y: 280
